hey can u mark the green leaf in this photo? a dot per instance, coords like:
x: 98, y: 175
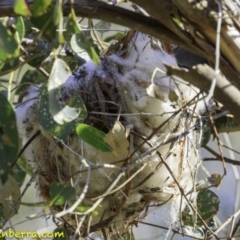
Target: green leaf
x: 25, y: 166
x: 61, y: 112
x: 207, y: 206
x: 57, y: 16
x: 206, y: 135
x: 38, y: 52
x: 60, y: 193
x: 49, y: 20
x: 21, y: 8
x: 20, y: 28
x: 47, y: 122
x: 83, y: 208
x: 226, y: 122
x: 82, y: 46
x: 72, y: 26
x: 9, y: 65
x: 8, y: 137
x: 10, y: 194
x: 116, y: 37
x: 2, y: 216
x: 8, y: 46
x: 93, y: 137
x: 211, y: 224
x: 30, y: 76
x: 19, y: 174
x: 39, y: 7
x: 58, y: 21
x: 45, y: 23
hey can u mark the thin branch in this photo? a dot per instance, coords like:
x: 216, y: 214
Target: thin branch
x: 218, y: 157
x: 227, y: 160
x: 201, y: 76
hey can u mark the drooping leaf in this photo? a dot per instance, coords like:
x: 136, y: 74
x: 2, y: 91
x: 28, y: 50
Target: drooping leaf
x: 9, y: 65
x: 60, y: 193
x: 40, y: 7
x: 93, y: 137
x: 9, y: 50
x: 25, y: 166
x: 30, y: 76
x: 2, y: 216
x: 57, y: 16
x: 212, y: 224
x: 82, y: 46
x: 8, y: 137
x: 225, y: 122
x: 45, y: 23
x: 58, y: 21
x: 20, y: 28
x: 206, y: 135
x: 78, y: 49
x: 19, y: 174
x: 49, y: 21
x: 207, y: 206
x: 61, y: 112
x: 72, y: 26
x: 47, y: 122
x: 38, y: 52
x: 10, y: 194
x: 21, y: 8
x: 116, y: 37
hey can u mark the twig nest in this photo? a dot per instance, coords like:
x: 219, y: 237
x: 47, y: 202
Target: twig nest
x: 149, y: 120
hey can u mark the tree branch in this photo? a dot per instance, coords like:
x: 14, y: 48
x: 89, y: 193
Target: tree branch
x: 201, y: 76
x: 192, y: 36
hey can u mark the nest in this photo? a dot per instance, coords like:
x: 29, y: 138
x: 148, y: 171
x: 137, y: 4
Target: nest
x: 149, y: 119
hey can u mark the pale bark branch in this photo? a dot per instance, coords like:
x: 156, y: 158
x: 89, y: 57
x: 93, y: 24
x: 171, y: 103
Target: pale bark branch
x: 201, y: 76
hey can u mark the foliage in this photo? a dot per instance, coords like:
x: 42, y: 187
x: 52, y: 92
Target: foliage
x: 54, y: 45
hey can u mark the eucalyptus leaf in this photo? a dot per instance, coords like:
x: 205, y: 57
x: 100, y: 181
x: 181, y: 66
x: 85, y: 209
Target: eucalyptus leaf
x: 9, y: 50
x: 8, y: 137
x: 10, y: 194
x: 71, y: 26
x: 21, y: 8
x: 19, y: 174
x: 40, y: 7
x: 45, y: 23
x: 207, y: 206
x: 94, y: 137
x: 9, y: 65
x: 60, y: 193
x: 60, y: 131
x: 20, y: 28
x: 82, y: 45
x: 30, y: 76
x: 115, y: 37
x: 61, y: 112
x: 25, y: 166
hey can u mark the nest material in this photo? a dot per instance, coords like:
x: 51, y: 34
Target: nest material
x: 152, y: 159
